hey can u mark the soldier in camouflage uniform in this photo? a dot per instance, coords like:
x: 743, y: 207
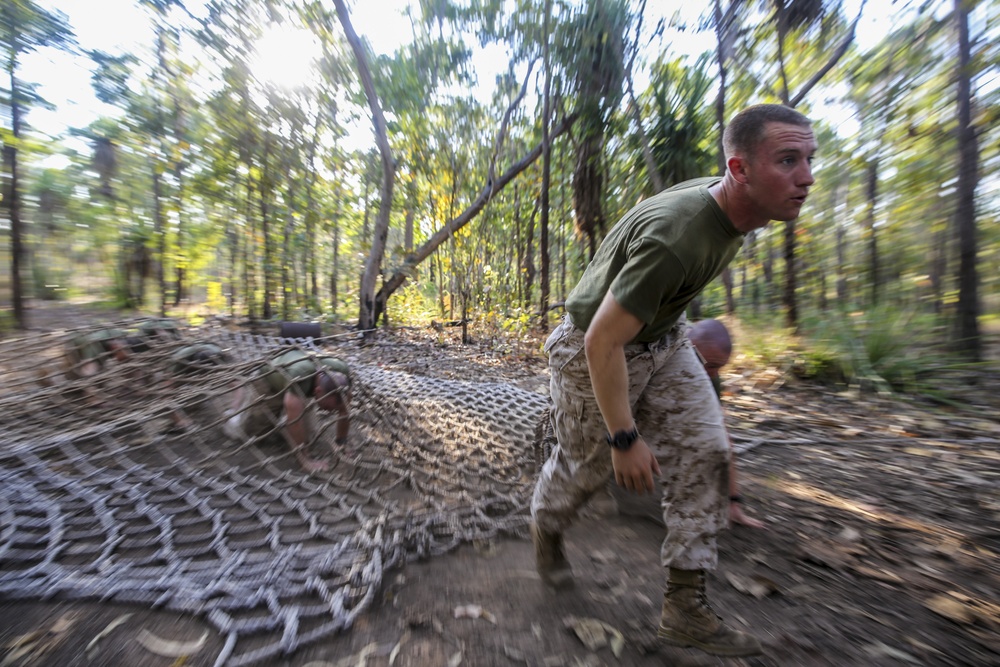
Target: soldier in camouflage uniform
x: 625, y: 379
x: 714, y: 345
x: 186, y: 364
x: 280, y: 395
x: 86, y: 354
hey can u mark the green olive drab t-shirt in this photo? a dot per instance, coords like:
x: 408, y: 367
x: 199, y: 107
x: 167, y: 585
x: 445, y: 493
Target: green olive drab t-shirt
x: 658, y: 258
x: 295, y: 366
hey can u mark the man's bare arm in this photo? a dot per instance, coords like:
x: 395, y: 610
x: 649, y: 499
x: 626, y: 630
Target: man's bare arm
x: 612, y: 328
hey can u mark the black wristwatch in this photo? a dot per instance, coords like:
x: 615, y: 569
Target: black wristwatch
x: 622, y: 440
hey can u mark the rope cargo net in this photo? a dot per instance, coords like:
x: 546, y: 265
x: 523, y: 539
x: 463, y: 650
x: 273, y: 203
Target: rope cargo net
x: 104, y: 496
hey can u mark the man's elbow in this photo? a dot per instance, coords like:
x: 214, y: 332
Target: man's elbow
x: 597, y: 344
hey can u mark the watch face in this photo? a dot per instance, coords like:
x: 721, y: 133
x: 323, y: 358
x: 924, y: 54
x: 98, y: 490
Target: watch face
x: 623, y: 439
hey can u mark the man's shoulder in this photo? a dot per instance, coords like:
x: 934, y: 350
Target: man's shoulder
x: 677, y: 211
x: 694, y: 183
x: 686, y: 197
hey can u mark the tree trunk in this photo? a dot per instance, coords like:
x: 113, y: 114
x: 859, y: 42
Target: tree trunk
x: 543, y: 238
x: 14, y: 203
x: 518, y: 248
x: 727, y: 281
x: 335, y: 270
x: 160, y: 233
x: 939, y: 266
x: 768, y: 267
x: 871, y: 190
x: 180, y: 140
x: 529, y: 257
x: 588, y: 189
x: 411, y: 213
x: 368, y: 313
x: 790, y: 297
x: 969, y: 342
x: 791, y: 271
x: 248, y: 252
x: 265, y: 230
x: 310, y: 213
x: 723, y: 31
x: 233, y: 237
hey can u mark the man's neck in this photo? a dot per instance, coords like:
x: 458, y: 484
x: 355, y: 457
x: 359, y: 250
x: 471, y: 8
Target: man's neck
x: 737, y: 207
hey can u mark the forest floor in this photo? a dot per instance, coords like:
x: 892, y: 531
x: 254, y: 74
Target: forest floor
x: 881, y: 548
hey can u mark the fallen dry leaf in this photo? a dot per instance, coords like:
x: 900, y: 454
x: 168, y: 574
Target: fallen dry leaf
x: 399, y: 645
x: 169, y: 648
x: 880, y: 650
x: 755, y: 585
x: 91, y: 649
x: 474, y: 611
x: 950, y: 608
x: 878, y: 573
x: 32, y: 645
x: 596, y: 634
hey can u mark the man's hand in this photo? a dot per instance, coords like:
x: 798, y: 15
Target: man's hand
x: 635, y: 467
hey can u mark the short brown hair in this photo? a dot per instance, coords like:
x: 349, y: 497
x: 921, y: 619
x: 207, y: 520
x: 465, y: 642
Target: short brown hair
x: 746, y: 130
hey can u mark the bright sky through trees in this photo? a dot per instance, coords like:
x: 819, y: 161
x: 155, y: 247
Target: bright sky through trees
x: 284, y: 55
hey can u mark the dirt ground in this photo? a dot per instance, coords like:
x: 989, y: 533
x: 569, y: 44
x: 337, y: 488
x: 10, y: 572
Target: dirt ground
x: 883, y: 529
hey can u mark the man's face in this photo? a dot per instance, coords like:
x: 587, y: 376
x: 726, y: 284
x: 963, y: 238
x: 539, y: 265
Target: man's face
x: 780, y: 173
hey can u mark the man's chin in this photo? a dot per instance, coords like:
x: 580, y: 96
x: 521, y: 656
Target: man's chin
x: 785, y: 216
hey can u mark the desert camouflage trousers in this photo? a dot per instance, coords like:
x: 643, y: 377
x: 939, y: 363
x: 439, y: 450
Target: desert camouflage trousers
x: 679, y: 417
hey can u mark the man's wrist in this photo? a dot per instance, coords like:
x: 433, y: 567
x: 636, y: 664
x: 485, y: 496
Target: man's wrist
x: 622, y: 439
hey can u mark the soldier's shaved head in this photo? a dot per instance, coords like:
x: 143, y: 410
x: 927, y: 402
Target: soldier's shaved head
x: 713, y: 342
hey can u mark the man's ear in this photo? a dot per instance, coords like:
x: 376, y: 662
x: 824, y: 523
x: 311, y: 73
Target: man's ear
x: 737, y: 166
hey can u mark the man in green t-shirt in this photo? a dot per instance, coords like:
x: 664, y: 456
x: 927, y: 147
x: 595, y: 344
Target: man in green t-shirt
x: 714, y: 345
x: 280, y: 395
x: 625, y: 379
x: 86, y: 354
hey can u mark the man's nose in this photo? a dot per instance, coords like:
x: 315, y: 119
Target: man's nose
x: 806, y: 178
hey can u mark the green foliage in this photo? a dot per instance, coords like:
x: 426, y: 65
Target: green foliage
x: 511, y: 331
x: 885, y: 349
x: 411, y: 305
x: 683, y: 132
x: 765, y: 343
x: 49, y: 283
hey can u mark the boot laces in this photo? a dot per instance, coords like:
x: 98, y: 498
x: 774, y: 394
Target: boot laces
x: 703, y: 596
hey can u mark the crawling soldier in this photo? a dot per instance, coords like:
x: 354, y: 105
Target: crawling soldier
x: 188, y: 363
x: 86, y: 354
x: 286, y: 386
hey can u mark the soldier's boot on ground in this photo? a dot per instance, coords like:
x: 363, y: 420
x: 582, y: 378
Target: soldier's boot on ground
x: 550, y: 559
x: 688, y: 620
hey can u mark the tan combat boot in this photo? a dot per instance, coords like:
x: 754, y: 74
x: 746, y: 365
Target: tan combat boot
x: 688, y: 620
x: 550, y: 559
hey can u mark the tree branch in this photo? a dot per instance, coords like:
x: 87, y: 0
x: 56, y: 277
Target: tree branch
x: 490, y: 190
x: 834, y: 57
